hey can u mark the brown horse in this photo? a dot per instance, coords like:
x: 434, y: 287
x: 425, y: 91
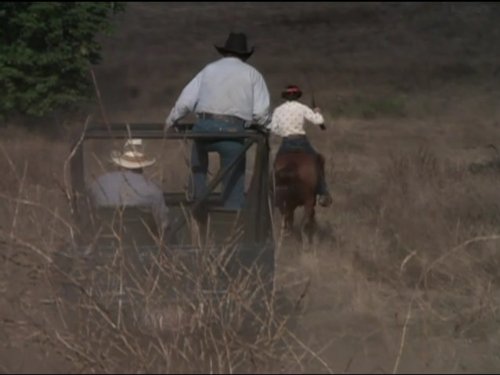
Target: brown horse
x: 296, y: 176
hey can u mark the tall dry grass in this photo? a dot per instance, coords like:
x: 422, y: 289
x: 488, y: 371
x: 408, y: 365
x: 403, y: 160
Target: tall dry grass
x: 404, y: 275
x: 407, y: 255
x: 101, y: 313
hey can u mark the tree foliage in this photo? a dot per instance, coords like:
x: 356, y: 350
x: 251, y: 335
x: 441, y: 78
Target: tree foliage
x: 46, y: 52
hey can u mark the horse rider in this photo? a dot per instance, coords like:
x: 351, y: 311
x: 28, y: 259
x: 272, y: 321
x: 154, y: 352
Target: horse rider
x: 128, y: 186
x: 288, y: 121
x: 227, y: 96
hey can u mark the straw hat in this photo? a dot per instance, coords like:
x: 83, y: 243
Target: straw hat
x: 132, y: 156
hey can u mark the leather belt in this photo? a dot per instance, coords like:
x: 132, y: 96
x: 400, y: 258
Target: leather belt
x: 226, y: 118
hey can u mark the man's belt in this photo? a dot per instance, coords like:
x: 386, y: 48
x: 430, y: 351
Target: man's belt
x: 295, y: 136
x: 226, y: 118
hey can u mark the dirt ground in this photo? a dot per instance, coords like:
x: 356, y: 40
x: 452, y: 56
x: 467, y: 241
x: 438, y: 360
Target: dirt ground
x: 404, y: 274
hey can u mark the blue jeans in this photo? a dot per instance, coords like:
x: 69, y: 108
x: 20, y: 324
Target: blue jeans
x: 302, y: 143
x: 233, y: 184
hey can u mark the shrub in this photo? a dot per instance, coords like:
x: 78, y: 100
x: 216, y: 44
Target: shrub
x: 46, y: 51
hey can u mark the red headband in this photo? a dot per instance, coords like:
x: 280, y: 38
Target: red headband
x: 292, y: 89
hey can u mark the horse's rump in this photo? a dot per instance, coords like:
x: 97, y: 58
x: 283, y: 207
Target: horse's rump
x: 287, y: 173
x: 296, y: 180
x: 296, y: 174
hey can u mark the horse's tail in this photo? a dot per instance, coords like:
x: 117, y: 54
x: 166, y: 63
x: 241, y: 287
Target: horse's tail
x: 285, y: 183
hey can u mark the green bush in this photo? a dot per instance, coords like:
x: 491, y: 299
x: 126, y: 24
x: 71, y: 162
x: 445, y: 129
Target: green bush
x: 46, y: 52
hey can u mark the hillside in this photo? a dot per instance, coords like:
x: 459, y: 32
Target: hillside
x: 404, y: 277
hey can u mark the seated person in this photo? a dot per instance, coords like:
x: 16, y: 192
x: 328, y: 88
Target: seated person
x: 128, y: 186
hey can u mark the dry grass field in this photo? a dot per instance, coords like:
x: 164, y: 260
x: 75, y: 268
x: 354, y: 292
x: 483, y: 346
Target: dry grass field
x: 404, y: 276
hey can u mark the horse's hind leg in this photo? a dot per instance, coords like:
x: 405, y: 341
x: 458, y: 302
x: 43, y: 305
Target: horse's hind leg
x: 288, y: 221
x: 286, y: 214
x: 308, y: 226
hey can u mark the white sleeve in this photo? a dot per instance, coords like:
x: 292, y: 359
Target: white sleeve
x: 186, y: 101
x: 313, y: 117
x: 261, y: 101
x: 160, y: 210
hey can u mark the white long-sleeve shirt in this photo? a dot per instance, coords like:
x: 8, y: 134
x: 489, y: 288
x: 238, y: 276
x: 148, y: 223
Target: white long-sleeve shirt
x: 227, y: 86
x: 126, y: 188
x: 290, y: 117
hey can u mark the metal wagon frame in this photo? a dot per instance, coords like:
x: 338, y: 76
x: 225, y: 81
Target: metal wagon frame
x: 256, y: 244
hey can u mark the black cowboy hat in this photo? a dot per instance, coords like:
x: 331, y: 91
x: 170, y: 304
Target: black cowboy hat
x: 236, y: 43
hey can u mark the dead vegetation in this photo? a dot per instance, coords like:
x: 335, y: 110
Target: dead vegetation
x: 405, y: 276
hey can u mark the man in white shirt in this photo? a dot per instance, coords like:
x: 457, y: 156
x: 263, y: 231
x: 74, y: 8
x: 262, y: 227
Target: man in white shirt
x: 288, y: 121
x: 227, y: 95
x: 128, y: 186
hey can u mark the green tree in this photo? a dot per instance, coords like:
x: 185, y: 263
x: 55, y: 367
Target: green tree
x: 46, y: 52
